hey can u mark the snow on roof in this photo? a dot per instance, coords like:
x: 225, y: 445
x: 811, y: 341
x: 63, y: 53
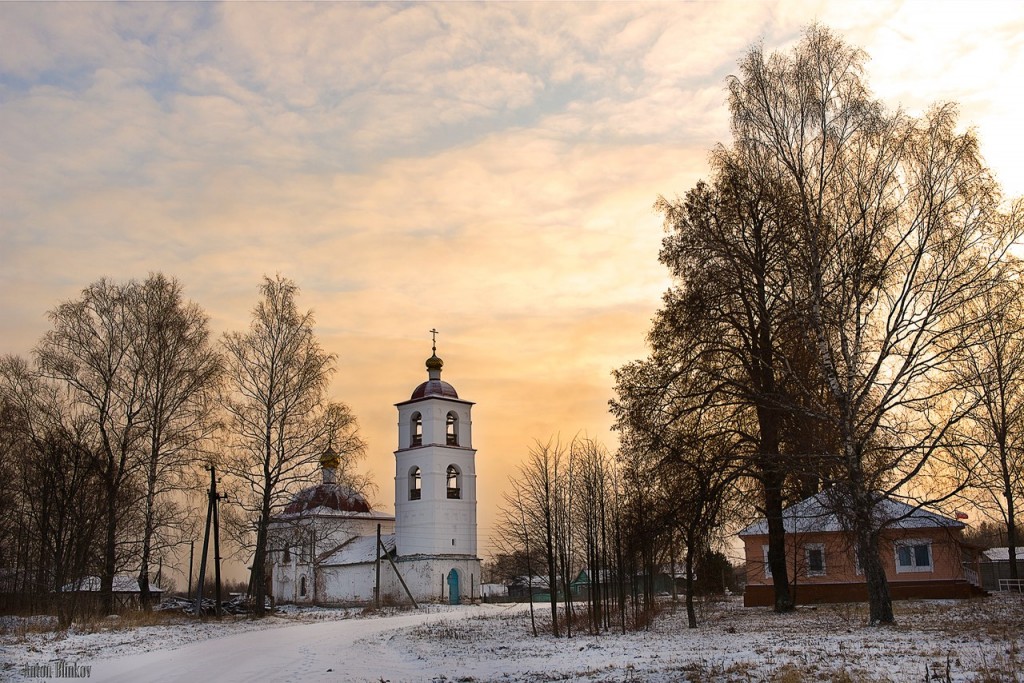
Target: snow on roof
x: 122, y: 584
x: 323, y: 511
x: 815, y: 514
x: 1002, y: 554
x: 534, y: 581
x: 331, y: 496
x: 359, y: 550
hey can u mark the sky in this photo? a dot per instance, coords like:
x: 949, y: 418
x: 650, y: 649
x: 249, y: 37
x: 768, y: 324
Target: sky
x: 485, y: 169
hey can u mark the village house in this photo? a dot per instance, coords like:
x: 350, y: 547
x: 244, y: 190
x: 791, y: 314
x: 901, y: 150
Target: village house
x: 923, y: 553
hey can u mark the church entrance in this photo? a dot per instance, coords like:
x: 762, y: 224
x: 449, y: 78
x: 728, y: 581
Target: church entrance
x: 453, y: 587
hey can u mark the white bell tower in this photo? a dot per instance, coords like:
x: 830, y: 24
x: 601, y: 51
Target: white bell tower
x: 435, y: 473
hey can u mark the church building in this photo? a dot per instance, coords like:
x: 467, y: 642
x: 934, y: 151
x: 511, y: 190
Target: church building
x: 324, y: 547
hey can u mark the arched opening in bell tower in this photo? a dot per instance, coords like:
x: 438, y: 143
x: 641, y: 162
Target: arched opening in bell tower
x: 454, y: 482
x: 452, y: 429
x: 415, y: 484
x: 416, y: 430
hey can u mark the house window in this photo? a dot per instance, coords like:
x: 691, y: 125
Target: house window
x: 913, y: 556
x: 814, y: 559
x: 767, y: 567
x: 416, y: 430
x: 454, y: 482
x: 415, y: 484
x: 302, y: 586
x: 452, y: 429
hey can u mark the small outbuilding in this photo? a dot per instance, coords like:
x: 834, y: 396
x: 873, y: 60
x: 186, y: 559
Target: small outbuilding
x: 995, y: 570
x: 126, y: 590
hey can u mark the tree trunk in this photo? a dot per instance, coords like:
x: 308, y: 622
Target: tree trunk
x: 109, y: 554
x: 148, y: 530
x: 691, y: 614
x: 259, y: 560
x: 1011, y: 525
x: 777, y: 540
x: 552, y: 579
x: 879, y: 599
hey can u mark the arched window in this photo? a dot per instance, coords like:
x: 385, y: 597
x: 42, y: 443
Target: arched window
x: 415, y: 484
x: 453, y: 429
x: 302, y: 586
x: 454, y: 482
x: 416, y: 430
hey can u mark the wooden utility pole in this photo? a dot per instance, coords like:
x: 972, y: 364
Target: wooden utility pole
x: 212, y: 518
x: 214, y: 504
x: 376, y: 586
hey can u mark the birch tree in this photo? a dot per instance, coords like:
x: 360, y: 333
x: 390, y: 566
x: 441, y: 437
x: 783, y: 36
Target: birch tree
x: 178, y: 373
x: 899, y: 228
x: 279, y: 420
x: 92, y: 350
x: 993, y: 370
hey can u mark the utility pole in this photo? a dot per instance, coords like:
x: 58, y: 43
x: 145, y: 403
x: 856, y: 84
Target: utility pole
x: 376, y: 586
x: 214, y: 504
x: 211, y: 519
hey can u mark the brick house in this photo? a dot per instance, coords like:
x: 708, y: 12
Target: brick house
x: 923, y: 553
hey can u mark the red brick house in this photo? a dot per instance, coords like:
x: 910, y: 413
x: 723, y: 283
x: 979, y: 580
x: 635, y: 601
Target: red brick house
x: 923, y: 553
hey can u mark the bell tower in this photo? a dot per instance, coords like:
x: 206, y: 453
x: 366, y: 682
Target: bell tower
x: 435, y: 471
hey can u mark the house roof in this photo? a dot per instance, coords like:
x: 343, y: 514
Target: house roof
x: 534, y: 581
x: 1002, y: 554
x: 358, y: 550
x: 815, y: 514
x: 122, y: 584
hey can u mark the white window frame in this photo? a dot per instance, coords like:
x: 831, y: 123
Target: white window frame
x: 913, y: 543
x: 767, y: 567
x: 807, y: 559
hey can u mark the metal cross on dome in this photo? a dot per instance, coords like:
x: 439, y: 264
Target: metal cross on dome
x: 433, y: 339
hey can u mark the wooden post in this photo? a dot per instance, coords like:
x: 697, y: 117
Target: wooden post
x: 408, y: 592
x: 376, y: 585
x: 202, y: 561
x: 216, y: 535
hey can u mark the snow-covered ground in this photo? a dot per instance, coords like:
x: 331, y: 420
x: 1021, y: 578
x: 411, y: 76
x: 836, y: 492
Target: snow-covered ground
x: 971, y: 640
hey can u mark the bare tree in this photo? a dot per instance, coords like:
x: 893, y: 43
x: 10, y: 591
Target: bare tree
x: 993, y: 371
x: 178, y: 373
x: 899, y: 228
x: 729, y: 247
x: 92, y: 349
x: 531, y: 512
x: 596, y: 502
x: 279, y: 420
x: 690, y: 452
x: 51, y: 494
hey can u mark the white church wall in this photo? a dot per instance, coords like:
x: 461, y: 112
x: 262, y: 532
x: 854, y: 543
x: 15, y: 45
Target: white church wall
x: 427, y: 578
x: 348, y: 583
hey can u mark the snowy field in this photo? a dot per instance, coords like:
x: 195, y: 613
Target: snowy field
x: 977, y: 640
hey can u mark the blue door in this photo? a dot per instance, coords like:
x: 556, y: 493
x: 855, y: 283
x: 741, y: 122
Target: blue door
x: 453, y: 587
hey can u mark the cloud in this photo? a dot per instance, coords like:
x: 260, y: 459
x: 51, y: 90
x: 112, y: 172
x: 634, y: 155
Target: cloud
x: 484, y: 168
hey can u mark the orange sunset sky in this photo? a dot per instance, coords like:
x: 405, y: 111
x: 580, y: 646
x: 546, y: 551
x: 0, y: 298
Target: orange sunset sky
x: 487, y: 169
